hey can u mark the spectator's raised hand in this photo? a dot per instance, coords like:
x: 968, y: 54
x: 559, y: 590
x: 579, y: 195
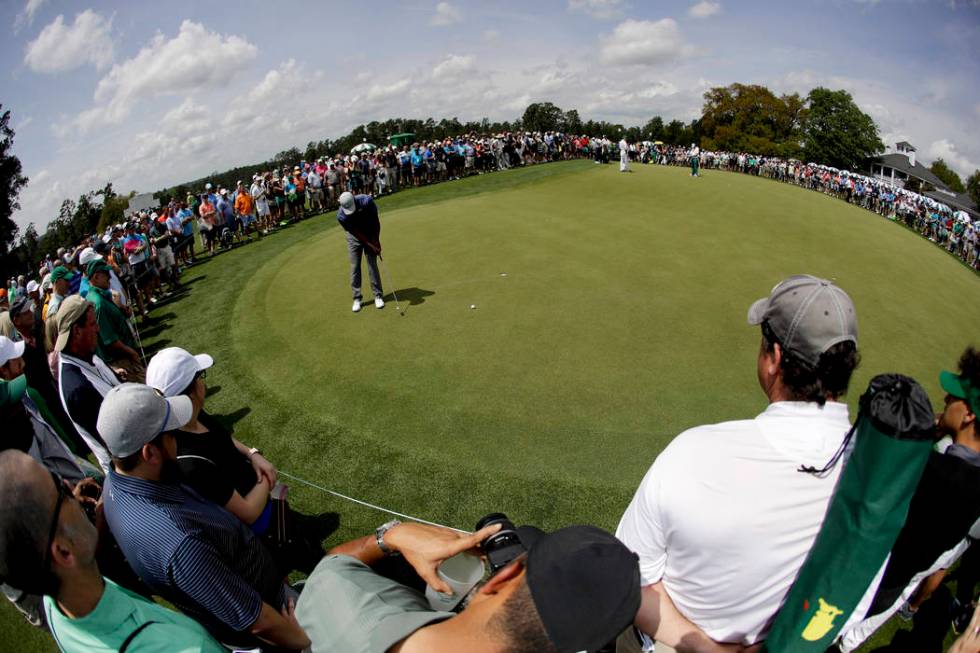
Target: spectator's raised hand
x: 425, y: 547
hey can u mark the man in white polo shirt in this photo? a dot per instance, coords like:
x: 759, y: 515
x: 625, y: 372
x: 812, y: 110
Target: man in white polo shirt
x: 726, y: 515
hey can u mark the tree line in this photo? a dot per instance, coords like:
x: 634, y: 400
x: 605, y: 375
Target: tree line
x: 825, y: 126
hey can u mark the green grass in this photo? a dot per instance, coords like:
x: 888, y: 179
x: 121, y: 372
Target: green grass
x: 619, y: 323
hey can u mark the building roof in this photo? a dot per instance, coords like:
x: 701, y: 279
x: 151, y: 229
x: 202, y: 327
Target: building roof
x: 955, y: 201
x: 904, y: 145
x: 901, y: 163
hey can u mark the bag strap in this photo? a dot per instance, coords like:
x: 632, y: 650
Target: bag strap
x: 132, y: 636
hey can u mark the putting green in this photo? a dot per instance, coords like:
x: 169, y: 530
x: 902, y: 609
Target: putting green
x: 609, y: 316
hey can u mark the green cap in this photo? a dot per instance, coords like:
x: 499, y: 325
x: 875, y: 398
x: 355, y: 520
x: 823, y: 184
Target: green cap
x: 961, y: 388
x: 61, y: 272
x: 96, y: 265
x: 12, y: 391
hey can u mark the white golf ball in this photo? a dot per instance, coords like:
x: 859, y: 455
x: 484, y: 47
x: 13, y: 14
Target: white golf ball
x: 472, y: 305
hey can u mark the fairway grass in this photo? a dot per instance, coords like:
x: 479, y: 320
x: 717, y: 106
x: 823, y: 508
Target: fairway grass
x: 610, y: 314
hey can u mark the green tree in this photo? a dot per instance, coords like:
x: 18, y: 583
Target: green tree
x: 11, y: 182
x: 751, y: 118
x: 836, y: 132
x: 542, y: 117
x: 571, y: 122
x: 973, y: 188
x: 113, y: 212
x: 947, y: 175
x: 654, y: 129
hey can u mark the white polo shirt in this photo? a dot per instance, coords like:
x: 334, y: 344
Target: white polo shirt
x: 725, y: 520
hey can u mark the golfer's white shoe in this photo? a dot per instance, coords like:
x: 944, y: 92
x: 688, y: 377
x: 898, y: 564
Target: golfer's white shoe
x: 379, y: 303
x: 357, y: 306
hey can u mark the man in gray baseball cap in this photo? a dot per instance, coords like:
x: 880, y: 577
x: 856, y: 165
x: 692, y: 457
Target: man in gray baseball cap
x: 724, y: 519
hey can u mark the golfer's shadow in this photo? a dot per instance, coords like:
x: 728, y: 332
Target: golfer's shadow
x: 411, y: 296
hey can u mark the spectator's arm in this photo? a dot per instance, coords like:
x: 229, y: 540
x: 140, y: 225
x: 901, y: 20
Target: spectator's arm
x: 660, y: 619
x: 250, y: 507
x: 122, y: 350
x: 280, y: 628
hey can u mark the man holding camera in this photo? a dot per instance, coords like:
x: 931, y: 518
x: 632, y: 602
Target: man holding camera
x: 728, y: 512
x: 571, y: 590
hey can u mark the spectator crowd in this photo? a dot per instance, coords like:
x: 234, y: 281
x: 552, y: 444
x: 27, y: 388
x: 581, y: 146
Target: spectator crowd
x: 121, y: 488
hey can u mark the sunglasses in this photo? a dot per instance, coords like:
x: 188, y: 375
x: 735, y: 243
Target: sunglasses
x: 63, y: 494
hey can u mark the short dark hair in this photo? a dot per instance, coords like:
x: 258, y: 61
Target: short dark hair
x: 24, y: 522
x: 132, y: 461
x: 519, y: 624
x: 830, y: 377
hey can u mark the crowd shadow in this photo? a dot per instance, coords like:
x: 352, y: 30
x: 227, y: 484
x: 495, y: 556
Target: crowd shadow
x: 412, y: 296
x: 228, y: 420
x: 212, y: 390
x: 156, y: 346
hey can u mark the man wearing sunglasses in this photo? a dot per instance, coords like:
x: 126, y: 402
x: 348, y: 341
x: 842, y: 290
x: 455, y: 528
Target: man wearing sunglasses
x: 47, y: 546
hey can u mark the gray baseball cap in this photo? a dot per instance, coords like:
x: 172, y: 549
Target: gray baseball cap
x: 133, y: 414
x: 808, y: 315
x: 347, y: 203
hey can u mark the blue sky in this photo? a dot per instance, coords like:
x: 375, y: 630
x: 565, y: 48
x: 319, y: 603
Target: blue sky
x: 150, y: 94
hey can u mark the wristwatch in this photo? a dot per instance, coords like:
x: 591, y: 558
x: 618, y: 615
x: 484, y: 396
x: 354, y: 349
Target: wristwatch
x: 253, y: 451
x: 379, y: 536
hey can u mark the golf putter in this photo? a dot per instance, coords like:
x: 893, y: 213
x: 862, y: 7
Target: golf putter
x: 387, y: 278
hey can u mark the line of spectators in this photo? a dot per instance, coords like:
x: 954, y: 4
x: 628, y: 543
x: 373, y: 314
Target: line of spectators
x: 176, y: 507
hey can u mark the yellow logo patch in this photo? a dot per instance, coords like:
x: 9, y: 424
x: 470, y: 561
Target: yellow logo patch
x: 821, y: 622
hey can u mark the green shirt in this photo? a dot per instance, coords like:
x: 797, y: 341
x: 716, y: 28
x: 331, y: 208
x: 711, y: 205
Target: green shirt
x: 347, y: 608
x: 119, y: 613
x: 112, y: 323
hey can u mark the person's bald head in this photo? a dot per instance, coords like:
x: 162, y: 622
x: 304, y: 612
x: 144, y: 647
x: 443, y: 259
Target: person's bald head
x: 25, y: 518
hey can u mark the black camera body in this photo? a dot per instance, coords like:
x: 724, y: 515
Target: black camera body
x: 503, y: 546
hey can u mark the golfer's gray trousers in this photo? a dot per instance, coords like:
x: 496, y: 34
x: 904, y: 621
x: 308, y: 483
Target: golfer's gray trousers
x: 355, y: 248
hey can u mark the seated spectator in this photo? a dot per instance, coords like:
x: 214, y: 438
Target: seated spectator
x: 724, y: 519
x: 38, y: 371
x: 225, y: 471
x: 573, y: 590
x: 47, y: 546
x: 192, y: 552
x: 944, y: 513
x: 84, y: 377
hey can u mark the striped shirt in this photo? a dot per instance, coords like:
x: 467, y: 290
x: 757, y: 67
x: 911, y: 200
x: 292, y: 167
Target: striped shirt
x: 193, y: 553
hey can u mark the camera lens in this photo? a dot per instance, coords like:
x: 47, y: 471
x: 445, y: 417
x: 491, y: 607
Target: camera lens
x: 504, y: 545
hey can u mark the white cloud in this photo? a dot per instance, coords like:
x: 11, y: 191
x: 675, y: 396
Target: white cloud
x: 187, y: 117
x: 943, y: 149
x: 643, y: 42
x: 446, y: 14
x: 60, y: 47
x: 281, y: 82
x: 453, y: 67
x: 599, y: 9
x: 195, y: 59
x: 491, y: 35
x: 383, y: 92
x: 704, y: 9
x: 26, y: 17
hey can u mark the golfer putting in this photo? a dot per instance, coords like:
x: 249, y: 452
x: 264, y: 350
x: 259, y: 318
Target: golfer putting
x: 358, y: 215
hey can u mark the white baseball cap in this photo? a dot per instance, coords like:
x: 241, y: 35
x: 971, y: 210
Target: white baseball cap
x: 347, y: 203
x: 32, y: 286
x: 10, y: 350
x: 172, y: 369
x: 88, y: 254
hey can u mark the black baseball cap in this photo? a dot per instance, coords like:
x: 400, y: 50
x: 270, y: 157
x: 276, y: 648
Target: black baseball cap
x: 584, y: 583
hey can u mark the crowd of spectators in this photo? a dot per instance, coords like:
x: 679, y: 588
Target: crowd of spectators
x: 120, y: 487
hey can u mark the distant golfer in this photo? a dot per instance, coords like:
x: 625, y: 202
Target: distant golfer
x: 624, y: 155
x: 358, y: 215
x: 695, y: 155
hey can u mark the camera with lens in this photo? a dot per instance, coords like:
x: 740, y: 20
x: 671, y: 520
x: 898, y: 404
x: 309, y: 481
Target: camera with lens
x: 504, y: 545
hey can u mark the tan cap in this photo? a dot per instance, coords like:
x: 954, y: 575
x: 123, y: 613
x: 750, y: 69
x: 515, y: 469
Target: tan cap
x: 70, y: 311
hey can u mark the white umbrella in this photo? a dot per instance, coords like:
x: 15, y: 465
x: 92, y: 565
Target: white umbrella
x: 362, y: 147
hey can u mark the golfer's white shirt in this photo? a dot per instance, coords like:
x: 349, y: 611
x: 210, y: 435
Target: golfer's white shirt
x: 725, y: 520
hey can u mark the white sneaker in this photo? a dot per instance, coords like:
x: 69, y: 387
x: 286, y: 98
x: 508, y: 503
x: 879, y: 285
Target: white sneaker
x: 357, y: 306
x: 379, y: 303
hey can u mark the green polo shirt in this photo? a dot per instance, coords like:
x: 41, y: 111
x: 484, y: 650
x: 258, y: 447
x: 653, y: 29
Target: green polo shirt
x: 347, y: 608
x: 118, y: 614
x: 112, y: 323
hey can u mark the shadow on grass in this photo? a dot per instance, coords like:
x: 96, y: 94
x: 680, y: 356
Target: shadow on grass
x: 157, y: 345
x: 212, y: 390
x: 153, y: 330
x: 412, y: 296
x: 230, y: 419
